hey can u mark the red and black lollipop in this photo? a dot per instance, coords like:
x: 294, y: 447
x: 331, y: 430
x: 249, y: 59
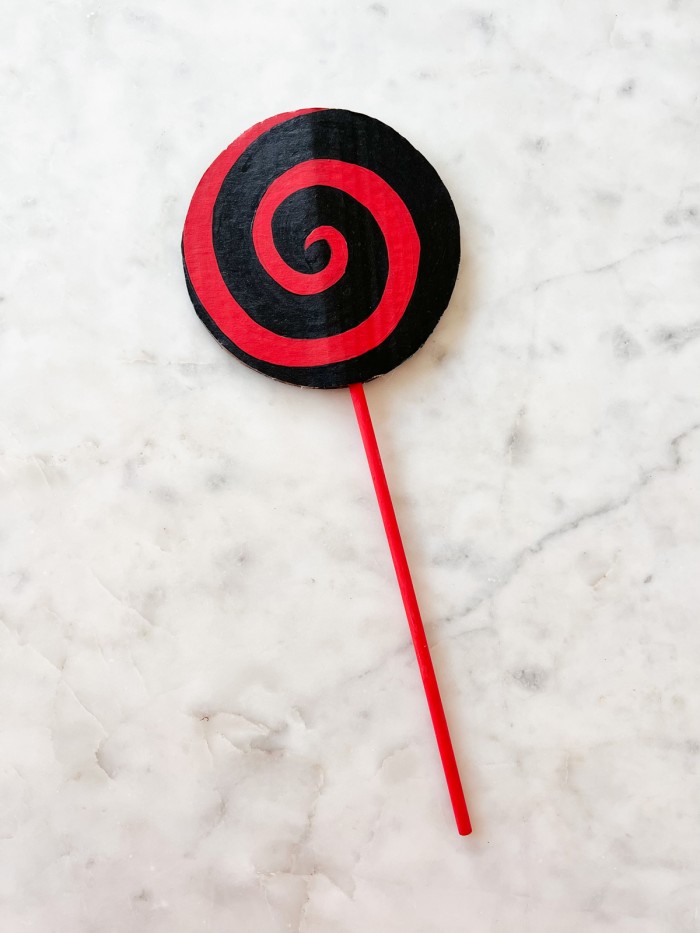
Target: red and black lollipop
x: 321, y: 248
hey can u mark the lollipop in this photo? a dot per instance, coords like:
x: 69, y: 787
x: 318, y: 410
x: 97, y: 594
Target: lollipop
x: 321, y: 249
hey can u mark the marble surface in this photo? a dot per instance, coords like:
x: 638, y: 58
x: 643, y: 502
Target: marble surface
x: 211, y: 716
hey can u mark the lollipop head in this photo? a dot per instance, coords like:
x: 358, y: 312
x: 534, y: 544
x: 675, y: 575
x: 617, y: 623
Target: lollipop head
x: 321, y: 248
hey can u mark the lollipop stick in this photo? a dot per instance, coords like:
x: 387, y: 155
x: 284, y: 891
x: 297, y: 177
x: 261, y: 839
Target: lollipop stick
x: 415, y: 623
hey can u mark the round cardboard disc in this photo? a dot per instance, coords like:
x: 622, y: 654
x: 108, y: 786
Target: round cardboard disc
x: 321, y: 248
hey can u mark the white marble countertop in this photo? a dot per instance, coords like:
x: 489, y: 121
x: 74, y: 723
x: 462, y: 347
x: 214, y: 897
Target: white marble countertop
x: 211, y: 716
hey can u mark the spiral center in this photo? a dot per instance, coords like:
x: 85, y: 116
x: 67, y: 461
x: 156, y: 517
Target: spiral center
x: 299, y: 283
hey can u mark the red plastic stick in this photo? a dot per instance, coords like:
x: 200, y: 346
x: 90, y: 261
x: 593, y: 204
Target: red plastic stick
x: 415, y: 623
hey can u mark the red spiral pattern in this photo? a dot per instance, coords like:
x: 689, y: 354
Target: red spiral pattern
x: 385, y: 205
